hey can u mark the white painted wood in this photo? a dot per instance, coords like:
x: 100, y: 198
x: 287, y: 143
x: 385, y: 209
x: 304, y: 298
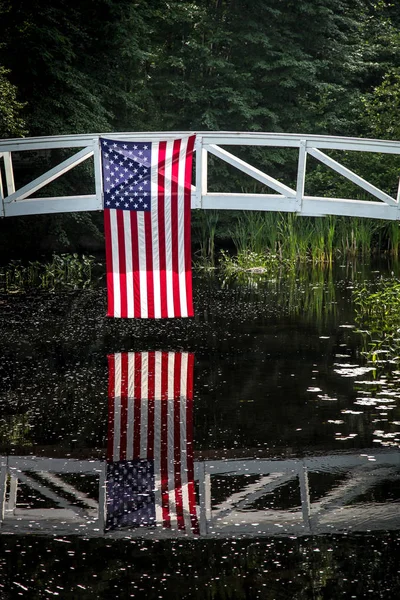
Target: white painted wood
x: 102, y: 514
x: 319, y: 206
x: 80, y: 140
x: 234, y: 517
x: 305, y: 496
x: 301, y: 174
x: 231, y: 138
x: 200, y: 473
x: 48, y: 493
x: 98, y: 171
x: 66, y: 487
x: 50, y: 175
x: 248, y: 495
x: 8, y: 167
x: 47, y: 514
x: 201, y: 172
x: 249, y: 525
x: 323, y: 463
x: 2, y: 213
x: 3, y: 487
x: 287, y: 199
x: 239, y: 201
x: 61, y: 204
x: 207, y: 492
x: 252, y: 171
x: 12, y: 497
x: 362, y: 183
x: 53, y: 465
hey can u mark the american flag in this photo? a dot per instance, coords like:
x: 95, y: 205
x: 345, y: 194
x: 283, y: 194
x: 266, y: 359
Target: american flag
x: 150, y: 474
x: 147, y: 196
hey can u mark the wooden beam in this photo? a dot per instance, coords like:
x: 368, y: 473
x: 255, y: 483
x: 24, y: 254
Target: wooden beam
x: 252, y: 171
x: 359, y: 181
x: 50, y: 175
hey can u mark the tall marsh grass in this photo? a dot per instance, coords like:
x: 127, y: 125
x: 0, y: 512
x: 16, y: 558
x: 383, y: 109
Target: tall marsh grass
x: 287, y: 236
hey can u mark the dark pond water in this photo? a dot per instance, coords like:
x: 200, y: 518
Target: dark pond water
x: 250, y: 452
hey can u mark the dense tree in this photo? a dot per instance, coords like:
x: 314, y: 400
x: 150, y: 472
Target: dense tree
x: 220, y: 64
x: 11, y: 123
x: 318, y: 66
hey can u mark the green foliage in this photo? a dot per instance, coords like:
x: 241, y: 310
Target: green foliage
x: 382, y: 106
x: 378, y: 318
x: 64, y: 272
x: 287, y: 236
x: 11, y: 123
x: 180, y: 64
x: 250, y: 262
x: 206, y: 226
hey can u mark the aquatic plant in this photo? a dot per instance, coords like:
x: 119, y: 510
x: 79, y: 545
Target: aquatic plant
x: 250, y: 262
x: 299, y: 239
x: 378, y: 318
x: 65, y: 271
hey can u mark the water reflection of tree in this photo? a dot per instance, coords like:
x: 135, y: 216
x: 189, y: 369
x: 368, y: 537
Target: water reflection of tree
x: 248, y: 339
x: 300, y: 569
x: 14, y: 431
x: 378, y: 321
x: 308, y: 292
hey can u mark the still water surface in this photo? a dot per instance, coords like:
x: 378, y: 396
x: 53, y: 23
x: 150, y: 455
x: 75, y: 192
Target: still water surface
x: 273, y: 470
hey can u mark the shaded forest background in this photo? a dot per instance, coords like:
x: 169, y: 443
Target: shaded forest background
x: 310, y: 66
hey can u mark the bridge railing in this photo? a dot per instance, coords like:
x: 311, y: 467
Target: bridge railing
x: 15, y: 200
x: 345, y: 504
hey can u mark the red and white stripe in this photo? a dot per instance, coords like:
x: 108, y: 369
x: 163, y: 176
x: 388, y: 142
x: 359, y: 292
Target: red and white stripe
x: 148, y: 253
x: 150, y: 416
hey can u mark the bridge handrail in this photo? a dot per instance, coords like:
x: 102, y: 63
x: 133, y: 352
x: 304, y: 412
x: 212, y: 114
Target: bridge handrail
x: 234, y: 138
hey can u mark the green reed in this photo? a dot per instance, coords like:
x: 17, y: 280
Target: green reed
x: 252, y: 233
x: 64, y: 271
x: 316, y: 239
x: 393, y: 238
x: 206, y: 226
x: 356, y: 236
x: 378, y: 318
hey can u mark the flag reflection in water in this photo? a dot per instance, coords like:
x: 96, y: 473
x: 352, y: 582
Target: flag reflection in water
x: 150, y: 469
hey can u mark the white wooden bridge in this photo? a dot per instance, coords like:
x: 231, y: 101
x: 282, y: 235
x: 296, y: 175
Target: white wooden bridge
x: 341, y: 507
x: 16, y: 199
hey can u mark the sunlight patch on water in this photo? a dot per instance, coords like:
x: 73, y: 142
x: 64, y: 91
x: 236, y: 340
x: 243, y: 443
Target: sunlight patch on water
x: 353, y: 371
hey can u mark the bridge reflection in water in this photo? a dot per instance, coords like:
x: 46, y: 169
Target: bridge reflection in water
x: 153, y: 485
x: 335, y: 493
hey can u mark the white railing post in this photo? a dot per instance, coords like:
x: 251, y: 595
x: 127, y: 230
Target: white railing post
x: 12, y: 499
x: 205, y: 498
x: 305, y: 496
x: 3, y: 486
x: 102, y: 516
x: 9, y: 173
x: 301, y: 174
x: 2, y: 211
x: 201, y: 172
x: 398, y: 201
x: 97, y: 170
